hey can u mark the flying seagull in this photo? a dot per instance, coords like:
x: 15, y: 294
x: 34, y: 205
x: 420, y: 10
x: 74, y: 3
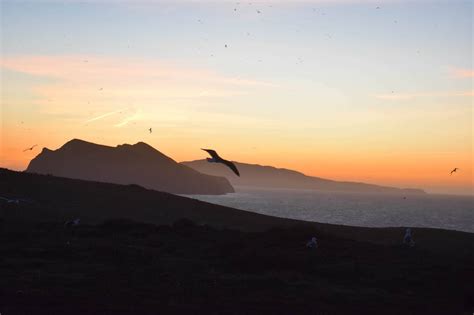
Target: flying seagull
x: 454, y: 171
x: 30, y: 148
x: 150, y: 130
x: 215, y: 158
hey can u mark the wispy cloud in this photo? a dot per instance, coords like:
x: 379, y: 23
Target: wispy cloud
x: 461, y: 72
x: 133, y: 117
x: 411, y: 96
x: 104, y: 116
x: 86, y: 82
x: 96, y: 72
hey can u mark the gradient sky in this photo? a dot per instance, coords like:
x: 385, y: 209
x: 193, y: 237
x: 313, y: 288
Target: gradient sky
x: 372, y: 91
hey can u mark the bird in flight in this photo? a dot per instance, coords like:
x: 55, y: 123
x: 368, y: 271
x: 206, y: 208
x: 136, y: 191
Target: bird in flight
x: 215, y: 158
x: 454, y: 171
x: 30, y: 148
x: 150, y: 130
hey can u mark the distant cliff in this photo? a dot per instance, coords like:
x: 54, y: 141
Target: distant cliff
x: 270, y: 177
x: 126, y: 164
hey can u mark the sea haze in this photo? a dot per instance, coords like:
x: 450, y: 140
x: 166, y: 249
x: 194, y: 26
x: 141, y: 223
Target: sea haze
x: 358, y: 209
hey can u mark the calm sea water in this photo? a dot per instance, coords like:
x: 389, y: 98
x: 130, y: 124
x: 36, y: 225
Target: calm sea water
x: 371, y: 210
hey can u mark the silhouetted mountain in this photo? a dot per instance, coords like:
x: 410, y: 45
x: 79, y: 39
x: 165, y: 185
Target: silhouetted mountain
x: 126, y: 164
x: 254, y: 175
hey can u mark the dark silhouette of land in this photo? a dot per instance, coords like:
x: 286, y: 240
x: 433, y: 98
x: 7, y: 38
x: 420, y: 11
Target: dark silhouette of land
x: 253, y: 175
x: 139, y: 251
x: 126, y: 164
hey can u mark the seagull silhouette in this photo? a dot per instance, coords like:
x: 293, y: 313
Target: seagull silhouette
x: 30, y: 148
x: 151, y: 130
x: 454, y: 171
x: 215, y: 158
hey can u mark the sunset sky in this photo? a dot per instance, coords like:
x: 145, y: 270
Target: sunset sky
x: 371, y: 91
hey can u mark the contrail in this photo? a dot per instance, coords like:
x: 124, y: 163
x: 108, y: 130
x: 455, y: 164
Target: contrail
x: 135, y: 116
x: 104, y: 115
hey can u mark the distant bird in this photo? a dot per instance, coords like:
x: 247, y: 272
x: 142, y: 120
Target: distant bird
x: 74, y: 222
x: 215, y: 158
x: 101, y: 89
x: 150, y: 130
x: 258, y: 11
x: 30, y: 148
x: 454, y: 171
x: 408, y: 238
x: 313, y: 243
x: 377, y: 8
x: 225, y: 45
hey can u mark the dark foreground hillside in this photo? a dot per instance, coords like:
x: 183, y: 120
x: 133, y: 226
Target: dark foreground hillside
x: 108, y: 265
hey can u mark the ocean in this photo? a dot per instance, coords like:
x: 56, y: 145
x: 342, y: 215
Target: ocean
x: 357, y: 209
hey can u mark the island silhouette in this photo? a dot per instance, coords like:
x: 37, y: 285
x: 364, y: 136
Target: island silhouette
x: 254, y: 175
x: 138, y: 164
x: 143, y: 165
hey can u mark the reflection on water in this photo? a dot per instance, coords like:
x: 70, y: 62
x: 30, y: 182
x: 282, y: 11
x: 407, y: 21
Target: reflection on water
x: 372, y: 210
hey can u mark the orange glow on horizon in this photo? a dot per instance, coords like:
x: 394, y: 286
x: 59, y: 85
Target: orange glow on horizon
x: 114, y: 101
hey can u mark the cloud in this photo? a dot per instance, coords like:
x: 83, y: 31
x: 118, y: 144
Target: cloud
x: 410, y: 96
x: 124, y: 122
x: 461, y: 73
x: 123, y: 72
x: 85, y: 82
x: 104, y: 116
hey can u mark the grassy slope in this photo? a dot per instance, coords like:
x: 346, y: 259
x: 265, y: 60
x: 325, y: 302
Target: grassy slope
x: 135, y: 268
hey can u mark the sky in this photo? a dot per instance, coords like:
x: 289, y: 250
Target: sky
x: 369, y: 91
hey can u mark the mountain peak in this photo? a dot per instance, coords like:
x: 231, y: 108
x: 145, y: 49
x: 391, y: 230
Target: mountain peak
x: 144, y: 146
x: 139, y: 164
x: 78, y: 143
